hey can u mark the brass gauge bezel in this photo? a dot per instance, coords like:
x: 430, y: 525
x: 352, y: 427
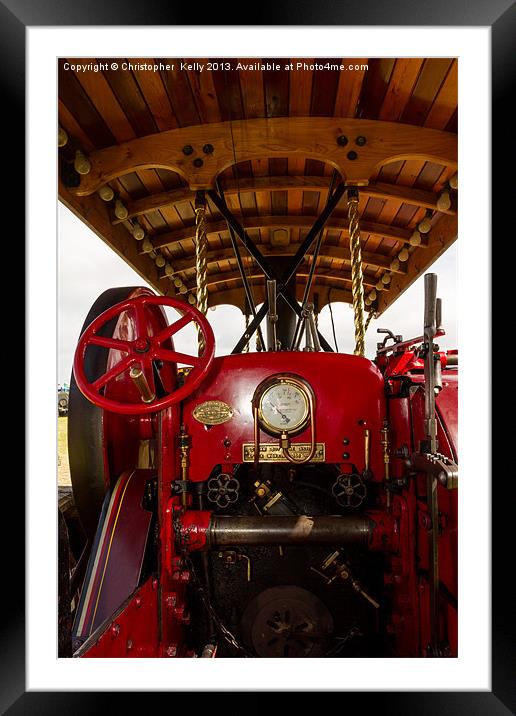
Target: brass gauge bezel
x: 281, y: 379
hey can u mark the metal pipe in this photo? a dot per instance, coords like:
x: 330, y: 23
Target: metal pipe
x: 282, y: 530
x: 272, y: 316
x: 313, y: 329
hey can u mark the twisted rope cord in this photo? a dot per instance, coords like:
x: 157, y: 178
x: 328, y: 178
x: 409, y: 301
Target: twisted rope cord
x: 357, y: 279
x: 368, y: 321
x: 201, y: 263
x: 246, y: 347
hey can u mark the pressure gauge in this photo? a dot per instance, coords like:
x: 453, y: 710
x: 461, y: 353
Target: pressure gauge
x: 283, y: 403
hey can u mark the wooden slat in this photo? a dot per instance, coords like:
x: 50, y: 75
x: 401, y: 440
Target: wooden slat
x: 180, y: 94
x: 130, y: 98
x: 429, y: 82
x: 229, y: 96
x: 273, y: 221
x: 324, y: 90
x: 155, y: 96
x: 276, y: 87
x: 401, y: 84
x: 216, y: 279
x: 446, y: 101
x: 349, y: 89
x: 301, y: 92
x: 103, y: 99
x: 375, y: 86
x: 341, y: 253
x: 264, y: 184
x: 203, y: 90
x: 251, y: 87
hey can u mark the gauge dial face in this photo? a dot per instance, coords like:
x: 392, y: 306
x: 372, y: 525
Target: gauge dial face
x: 284, y: 407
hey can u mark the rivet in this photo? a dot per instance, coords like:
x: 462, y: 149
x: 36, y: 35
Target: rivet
x: 342, y: 140
x: 345, y: 455
x: 360, y: 141
x: 345, y: 441
x: 352, y: 156
x: 208, y: 149
x: 187, y: 150
x: 198, y: 162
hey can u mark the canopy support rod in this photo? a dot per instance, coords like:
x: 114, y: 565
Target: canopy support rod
x: 314, y: 262
x: 318, y: 226
x: 247, y: 288
x: 242, y: 234
x: 251, y: 328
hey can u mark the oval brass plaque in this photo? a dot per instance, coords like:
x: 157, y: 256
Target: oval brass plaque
x: 213, y: 412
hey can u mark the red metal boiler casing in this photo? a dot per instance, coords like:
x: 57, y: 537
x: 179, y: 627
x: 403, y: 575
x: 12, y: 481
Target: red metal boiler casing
x: 349, y: 393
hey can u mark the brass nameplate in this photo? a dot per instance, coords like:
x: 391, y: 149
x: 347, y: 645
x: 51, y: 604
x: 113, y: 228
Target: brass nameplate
x: 271, y: 452
x: 213, y: 412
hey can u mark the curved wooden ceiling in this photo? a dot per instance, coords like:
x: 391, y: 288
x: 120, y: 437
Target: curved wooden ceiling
x: 274, y: 152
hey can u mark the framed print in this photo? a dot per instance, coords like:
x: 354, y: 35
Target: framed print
x: 252, y: 192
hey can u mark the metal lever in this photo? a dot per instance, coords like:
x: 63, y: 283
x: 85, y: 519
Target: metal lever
x: 438, y: 314
x: 272, y: 316
x: 367, y: 474
x: 430, y: 305
x: 312, y: 342
x: 138, y: 376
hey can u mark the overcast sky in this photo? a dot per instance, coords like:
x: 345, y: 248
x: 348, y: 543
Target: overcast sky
x: 87, y: 267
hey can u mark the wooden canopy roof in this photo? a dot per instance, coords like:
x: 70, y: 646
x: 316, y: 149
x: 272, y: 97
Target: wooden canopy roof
x: 276, y: 138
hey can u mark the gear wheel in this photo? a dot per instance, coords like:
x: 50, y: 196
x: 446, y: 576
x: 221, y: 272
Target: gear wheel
x: 349, y: 490
x: 223, y: 490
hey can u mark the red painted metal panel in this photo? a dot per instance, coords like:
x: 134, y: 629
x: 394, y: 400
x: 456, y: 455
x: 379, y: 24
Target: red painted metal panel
x: 132, y: 631
x: 349, y: 394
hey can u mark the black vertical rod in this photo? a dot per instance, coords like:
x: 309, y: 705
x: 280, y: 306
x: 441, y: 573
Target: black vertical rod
x: 238, y: 257
x: 315, y: 256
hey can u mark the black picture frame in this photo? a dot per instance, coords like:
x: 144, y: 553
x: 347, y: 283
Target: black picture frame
x: 500, y: 16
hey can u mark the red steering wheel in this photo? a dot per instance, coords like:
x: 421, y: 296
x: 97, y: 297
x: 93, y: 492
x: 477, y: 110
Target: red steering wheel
x: 141, y: 352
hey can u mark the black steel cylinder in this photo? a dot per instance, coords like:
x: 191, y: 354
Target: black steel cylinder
x: 225, y: 530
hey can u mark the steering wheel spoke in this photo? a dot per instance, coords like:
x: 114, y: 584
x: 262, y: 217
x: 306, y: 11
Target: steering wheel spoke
x: 114, y: 343
x: 113, y: 372
x: 174, y: 328
x: 139, y: 319
x: 176, y: 357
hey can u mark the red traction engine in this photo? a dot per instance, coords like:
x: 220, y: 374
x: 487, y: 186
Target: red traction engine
x: 269, y: 504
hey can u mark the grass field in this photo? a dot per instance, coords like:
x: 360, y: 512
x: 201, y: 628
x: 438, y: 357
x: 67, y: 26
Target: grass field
x: 63, y: 466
